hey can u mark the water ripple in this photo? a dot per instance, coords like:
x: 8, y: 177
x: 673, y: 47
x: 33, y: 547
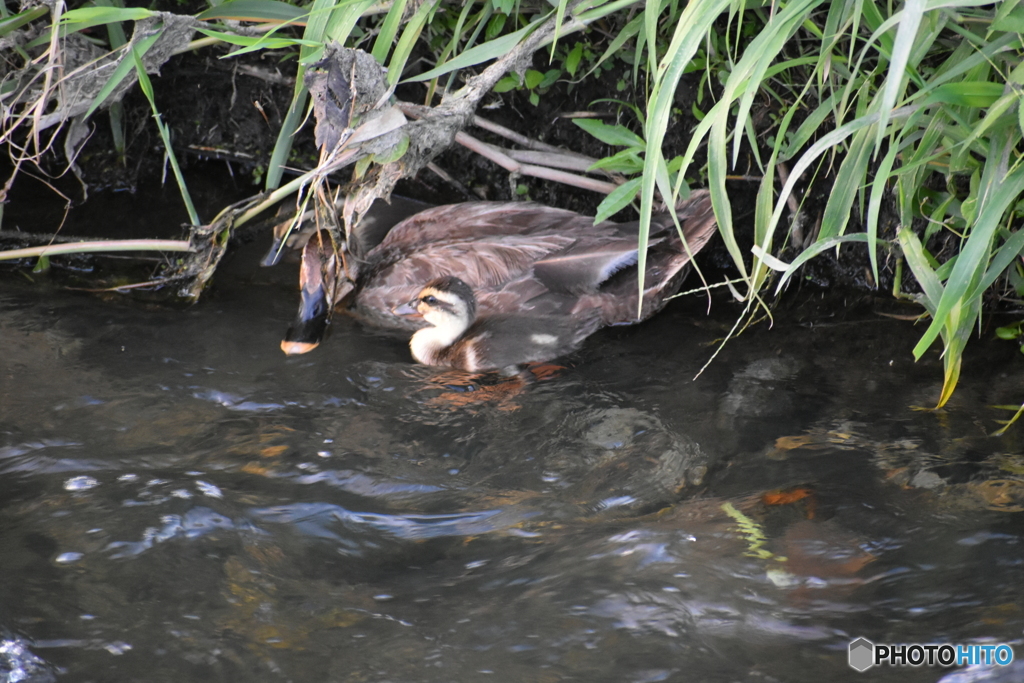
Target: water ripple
x: 197, y: 522
x: 317, y: 518
x: 25, y: 457
x: 365, y: 485
x: 234, y: 402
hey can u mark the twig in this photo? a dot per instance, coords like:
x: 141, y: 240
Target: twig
x: 539, y: 164
x: 135, y: 285
x: 586, y: 115
x: 515, y: 137
x: 97, y: 246
x: 567, y: 161
x: 266, y: 75
x: 509, y: 164
x: 447, y: 177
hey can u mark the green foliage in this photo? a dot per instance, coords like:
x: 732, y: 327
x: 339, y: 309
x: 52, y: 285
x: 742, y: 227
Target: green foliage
x: 566, y: 62
x: 923, y: 102
x: 888, y: 101
x: 1011, y: 332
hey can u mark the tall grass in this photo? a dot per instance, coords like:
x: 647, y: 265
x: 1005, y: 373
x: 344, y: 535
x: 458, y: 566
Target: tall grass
x: 917, y: 103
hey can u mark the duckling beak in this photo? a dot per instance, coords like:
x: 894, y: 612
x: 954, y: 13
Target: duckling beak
x: 408, y: 310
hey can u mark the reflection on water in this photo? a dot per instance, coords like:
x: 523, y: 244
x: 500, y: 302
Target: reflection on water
x: 179, y: 501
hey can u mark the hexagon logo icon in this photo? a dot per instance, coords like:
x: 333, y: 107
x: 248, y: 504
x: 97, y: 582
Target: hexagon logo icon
x: 862, y: 654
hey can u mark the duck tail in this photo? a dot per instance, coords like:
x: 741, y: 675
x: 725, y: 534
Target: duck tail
x: 697, y: 219
x: 697, y: 225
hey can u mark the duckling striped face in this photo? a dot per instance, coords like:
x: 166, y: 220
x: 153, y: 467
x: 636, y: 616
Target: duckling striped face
x: 448, y: 303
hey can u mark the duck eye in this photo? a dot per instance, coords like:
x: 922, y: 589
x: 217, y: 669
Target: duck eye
x: 429, y: 299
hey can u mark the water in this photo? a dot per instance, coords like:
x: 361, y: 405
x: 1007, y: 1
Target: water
x: 180, y: 501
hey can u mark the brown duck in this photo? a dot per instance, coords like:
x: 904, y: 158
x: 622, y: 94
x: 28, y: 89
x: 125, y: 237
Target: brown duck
x: 521, y: 259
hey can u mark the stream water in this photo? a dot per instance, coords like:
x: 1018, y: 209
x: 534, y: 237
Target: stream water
x: 181, y: 502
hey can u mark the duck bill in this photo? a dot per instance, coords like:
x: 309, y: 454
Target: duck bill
x: 320, y: 289
x: 408, y: 310
x: 310, y: 325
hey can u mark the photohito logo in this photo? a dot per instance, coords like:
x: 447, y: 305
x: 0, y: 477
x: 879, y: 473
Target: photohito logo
x: 864, y: 654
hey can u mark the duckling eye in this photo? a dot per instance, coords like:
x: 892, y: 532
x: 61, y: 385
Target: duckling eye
x: 429, y: 299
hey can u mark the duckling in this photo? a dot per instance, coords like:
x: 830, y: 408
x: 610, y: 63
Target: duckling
x: 457, y: 338
x: 517, y: 258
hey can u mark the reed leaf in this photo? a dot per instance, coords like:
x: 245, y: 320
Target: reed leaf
x: 124, y: 67
x: 998, y: 193
x: 165, y: 134
x: 388, y: 30
x: 693, y: 24
x: 410, y: 34
x: 314, y: 33
x: 478, y: 54
x: 255, y: 10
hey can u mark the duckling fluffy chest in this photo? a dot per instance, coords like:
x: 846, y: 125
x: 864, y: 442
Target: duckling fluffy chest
x: 441, y: 346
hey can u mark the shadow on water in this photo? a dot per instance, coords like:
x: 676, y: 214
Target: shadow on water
x: 180, y: 501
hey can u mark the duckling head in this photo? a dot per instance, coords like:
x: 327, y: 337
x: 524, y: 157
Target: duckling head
x: 448, y: 304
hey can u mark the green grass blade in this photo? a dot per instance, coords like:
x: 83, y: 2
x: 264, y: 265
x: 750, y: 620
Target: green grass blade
x: 388, y: 30
x: 878, y: 186
x: 616, y: 136
x: 906, y: 33
x: 18, y: 20
x: 691, y: 28
x: 344, y: 18
x: 559, y: 18
x: 628, y: 32
x: 617, y: 199
x: 913, y: 252
x: 255, y: 10
x: 849, y: 180
x: 1005, y: 255
x: 316, y: 27
x: 254, y: 43
x: 410, y: 35
x: 999, y: 194
x: 749, y: 74
x: 823, y: 144
x: 124, y: 67
x: 484, y: 52
x: 87, y: 17
x: 147, y: 88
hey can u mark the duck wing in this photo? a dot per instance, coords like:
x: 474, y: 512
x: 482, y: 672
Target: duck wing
x: 480, y: 220
x: 667, y: 266
x: 588, y: 263
x: 498, y: 269
x: 482, y: 263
